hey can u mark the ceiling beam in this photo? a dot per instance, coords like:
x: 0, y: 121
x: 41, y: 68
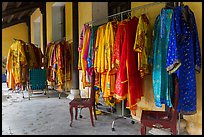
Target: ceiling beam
x: 4, y: 5
x: 18, y: 4
x: 20, y: 9
x: 21, y: 15
x: 14, y: 22
x: 10, y: 19
x: 31, y: 12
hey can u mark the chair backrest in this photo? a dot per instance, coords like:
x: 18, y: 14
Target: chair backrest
x: 37, y: 78
x: 175, y: 100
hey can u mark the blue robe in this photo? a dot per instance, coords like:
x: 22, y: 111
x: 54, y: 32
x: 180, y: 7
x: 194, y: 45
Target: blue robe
x: 184, y: 57
x: 162, y: 81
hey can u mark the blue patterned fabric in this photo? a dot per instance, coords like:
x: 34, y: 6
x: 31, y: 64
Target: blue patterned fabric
x: 37, y: 79
x: 184, y: 57
x: 162, y: 82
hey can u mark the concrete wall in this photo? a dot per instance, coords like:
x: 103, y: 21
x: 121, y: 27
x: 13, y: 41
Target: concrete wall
x: 99, y: 12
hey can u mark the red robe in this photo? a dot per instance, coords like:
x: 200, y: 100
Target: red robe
x: 130, y: 76
x: 119, y: 38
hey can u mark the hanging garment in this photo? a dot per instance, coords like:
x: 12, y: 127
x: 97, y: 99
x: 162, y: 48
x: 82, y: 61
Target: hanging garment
x: 99, y: 61
x: 60, y: 70
x: 81, y: 41
x: 48, y: 60
x: 54, y: 63
x: 40, y: 57
x: 130, y: 75
x: 24, y: 73
x: 68, y: 60
x: 119, y: 38
x: 143, y: 44
x: 184, y: 57
x: 90, y: 58
x: 16, y: 59
x: 98, y: 58
x: 87, y: 76
x: 162, y: 82
x: 32, y: 61
x: 84, y: 51
x: 109, y: 78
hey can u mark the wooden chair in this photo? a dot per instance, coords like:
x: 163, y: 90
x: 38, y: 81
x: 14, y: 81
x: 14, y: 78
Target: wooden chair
x: 162, y: 119
x: 83, y: 103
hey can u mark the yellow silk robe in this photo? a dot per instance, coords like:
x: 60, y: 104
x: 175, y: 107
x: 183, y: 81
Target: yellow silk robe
x: 102, y: 62
x: 15, y: 60
x: 99, y: 62
x: 142, y: 44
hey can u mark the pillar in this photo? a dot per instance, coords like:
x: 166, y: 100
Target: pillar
x: 43, y: 12
x: 29, y: 29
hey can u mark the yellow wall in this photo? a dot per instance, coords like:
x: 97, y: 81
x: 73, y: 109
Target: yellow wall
x: 68, y: 21
x: 19, y: 31
x: 194, y: 122
x: 85, y: 15
x: 49, y: 21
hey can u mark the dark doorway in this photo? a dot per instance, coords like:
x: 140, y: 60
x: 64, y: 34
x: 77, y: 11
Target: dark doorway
x: 116, y: 7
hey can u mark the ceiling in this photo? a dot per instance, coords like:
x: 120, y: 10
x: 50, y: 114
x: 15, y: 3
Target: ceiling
x: 17, y: 12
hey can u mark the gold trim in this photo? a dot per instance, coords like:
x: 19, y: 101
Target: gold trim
x: 174, y: 69
x: 124, y: 81
x: 197, y: 68
x: 119, y: 97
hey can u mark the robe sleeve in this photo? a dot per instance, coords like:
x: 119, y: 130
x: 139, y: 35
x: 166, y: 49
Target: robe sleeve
x: 150, y: 58
x: 123, y: 68
x: 197, y: 54
x: 173, y: 62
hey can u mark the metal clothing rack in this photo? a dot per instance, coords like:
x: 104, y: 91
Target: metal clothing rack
x: 121, y: 14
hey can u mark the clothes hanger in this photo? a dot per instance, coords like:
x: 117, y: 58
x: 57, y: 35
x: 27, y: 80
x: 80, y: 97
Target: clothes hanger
x: 185, y: 12
x: 129, y: 15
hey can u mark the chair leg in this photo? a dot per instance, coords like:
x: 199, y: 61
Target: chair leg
x: 76, y: 112
x: 94, y: 109
x: 143, y: 130
x: 71, y: 114
x: 91, y: 116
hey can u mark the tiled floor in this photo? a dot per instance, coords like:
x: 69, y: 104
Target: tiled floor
x: 50, y: 116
